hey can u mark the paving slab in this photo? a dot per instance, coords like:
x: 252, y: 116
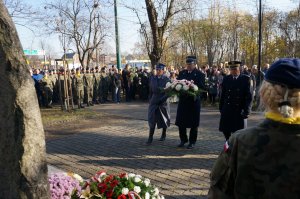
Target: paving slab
x: 120, y: 147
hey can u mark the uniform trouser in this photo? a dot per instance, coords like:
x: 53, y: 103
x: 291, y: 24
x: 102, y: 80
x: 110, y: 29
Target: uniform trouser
x: 48, y: 93
x: 193, y: 135
x: 227, y: 135
x: 90, y: 93
x: 80, y: 96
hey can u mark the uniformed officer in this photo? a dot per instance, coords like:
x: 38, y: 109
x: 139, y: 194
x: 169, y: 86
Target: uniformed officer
x: 262, y: 162
x: 158, y: 111
x: 79, y: 87
x: 89, y: 82
x: 188, y: 110
x: 235, y: 101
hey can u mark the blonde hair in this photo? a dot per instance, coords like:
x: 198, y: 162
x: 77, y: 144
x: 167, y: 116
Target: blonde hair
x: 274, y: 94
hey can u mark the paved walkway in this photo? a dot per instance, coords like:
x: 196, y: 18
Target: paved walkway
x: 117, y: 147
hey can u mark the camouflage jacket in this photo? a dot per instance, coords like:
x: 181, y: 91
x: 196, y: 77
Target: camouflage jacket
x: 259, y: 163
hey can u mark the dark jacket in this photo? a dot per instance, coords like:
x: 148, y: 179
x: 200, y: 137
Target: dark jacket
x: 235, y: 102
x: 158, y: 111
x: 260, y: 162
x: 188, y: 110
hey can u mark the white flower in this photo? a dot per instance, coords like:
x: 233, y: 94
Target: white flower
x: 102, y: 174
x: 137, y: 189
x: 186, y: 87
x: 137, y: 179
x: 156, y: 192
x: 78, y: 177
x: 195, y: 88
x: 147, y: 195
x: 125, y: 191
x: 153, y: 197
x: 131, y: 175
x: 138, y: 176
x: 173, y: 85
x: 162, y: 197
x: 147, y: 182
x: 178, y: 87
x: 168, y: 85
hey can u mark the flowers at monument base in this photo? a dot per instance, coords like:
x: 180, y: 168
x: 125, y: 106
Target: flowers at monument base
x: 63, y: 186
x: 102, y: 185
x: 182, y: 88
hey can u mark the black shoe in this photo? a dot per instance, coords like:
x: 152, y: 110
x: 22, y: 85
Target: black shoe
x: 91, y: 104
x: 190, y: 146
x: 162, y: 139
x: 81, y: 106
x: 181, y: 144
x: 149, y: 141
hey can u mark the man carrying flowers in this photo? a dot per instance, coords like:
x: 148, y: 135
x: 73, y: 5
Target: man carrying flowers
x: 188, y: 110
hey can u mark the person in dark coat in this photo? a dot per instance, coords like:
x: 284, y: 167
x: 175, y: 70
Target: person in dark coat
x: 236, y: 100
x: 158, y: 111
x: 188, y: 110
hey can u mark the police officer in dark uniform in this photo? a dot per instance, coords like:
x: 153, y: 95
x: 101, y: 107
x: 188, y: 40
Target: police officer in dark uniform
x: 236, y: 100
x: 188, y: 110
x: 158, y: 111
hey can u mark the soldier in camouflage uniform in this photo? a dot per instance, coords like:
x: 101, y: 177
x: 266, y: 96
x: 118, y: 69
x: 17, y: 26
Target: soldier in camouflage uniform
x: 79, y: 88
x: 97, y: 78
x: 262, y: 162
x: 47, y: 88
x: 89, y: 82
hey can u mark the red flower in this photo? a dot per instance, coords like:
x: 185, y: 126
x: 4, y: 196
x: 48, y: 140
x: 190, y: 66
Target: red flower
x: 122, y: 175
x: 122, y: 196
x: 109, y: 194
x: 114, y: 183
x: 100, y: 172
x: 108, y: 178
x: 102, y: 187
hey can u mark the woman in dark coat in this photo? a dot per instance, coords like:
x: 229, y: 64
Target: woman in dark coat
x: 158, y: 112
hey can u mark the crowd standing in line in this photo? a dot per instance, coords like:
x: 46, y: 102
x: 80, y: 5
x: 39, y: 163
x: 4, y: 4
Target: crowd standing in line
x: 100, y: 85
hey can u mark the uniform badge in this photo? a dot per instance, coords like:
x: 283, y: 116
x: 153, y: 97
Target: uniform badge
x: 226, y: 146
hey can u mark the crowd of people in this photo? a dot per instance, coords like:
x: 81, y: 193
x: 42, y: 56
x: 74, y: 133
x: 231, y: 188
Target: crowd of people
x: 89, y: 86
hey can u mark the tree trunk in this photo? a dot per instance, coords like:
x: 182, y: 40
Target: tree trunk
x: 23, y: 167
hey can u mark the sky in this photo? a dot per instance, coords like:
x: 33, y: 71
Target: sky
x: 128, y: 23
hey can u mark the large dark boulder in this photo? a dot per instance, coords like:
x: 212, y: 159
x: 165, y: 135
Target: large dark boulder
x: 23, y: 167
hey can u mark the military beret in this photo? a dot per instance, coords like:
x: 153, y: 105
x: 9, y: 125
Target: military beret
x: 160, y: 66
x: 286, y: 72
x: 234, y: 64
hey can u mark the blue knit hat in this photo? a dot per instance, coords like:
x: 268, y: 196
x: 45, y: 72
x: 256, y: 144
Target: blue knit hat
x: 286, y: 72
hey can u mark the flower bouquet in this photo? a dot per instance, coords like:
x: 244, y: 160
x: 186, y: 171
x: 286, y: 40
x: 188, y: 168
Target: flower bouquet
x: 182, y: 88
x: 123, y: 186
x: 63, y: 185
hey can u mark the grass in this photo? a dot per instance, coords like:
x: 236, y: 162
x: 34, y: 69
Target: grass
x: 56, y: 115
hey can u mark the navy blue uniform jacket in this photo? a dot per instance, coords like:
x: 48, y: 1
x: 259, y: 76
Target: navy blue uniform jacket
x: 235, y: 102
x: 188, y: 110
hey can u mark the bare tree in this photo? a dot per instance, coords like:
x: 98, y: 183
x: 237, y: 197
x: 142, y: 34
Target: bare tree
x: 80, y: 22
